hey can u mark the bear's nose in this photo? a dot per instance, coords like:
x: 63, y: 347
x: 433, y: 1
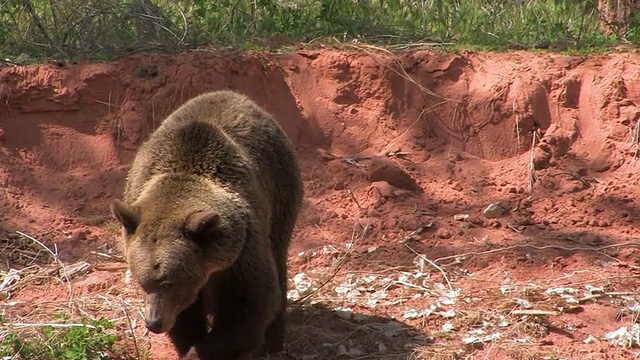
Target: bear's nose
x: 154, y: 324
x: 153, y: 313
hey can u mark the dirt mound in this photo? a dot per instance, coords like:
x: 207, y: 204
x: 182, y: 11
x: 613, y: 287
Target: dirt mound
x: 402, y: 149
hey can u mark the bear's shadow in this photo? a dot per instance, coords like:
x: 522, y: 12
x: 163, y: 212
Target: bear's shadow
x: 315, y: 331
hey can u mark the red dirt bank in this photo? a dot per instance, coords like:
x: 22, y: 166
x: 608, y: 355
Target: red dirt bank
x: 463, y: 127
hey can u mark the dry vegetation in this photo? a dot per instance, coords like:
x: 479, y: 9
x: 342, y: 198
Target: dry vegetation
x: 461, y: 317
x: 71, y: 29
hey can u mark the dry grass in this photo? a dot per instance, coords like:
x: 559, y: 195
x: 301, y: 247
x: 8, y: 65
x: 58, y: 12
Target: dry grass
x: 532, y: 177
x: 427, y: 309
x: 33, y: 265
x: 456, y: 322
x: 635, y: 139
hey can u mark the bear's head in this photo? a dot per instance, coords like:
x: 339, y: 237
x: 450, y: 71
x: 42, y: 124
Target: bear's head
x: 172, y: 246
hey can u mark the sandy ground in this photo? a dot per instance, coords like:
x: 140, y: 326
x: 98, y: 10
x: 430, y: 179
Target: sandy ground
x: 458, y: 205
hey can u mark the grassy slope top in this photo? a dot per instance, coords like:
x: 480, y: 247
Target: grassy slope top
x: 37, y: 29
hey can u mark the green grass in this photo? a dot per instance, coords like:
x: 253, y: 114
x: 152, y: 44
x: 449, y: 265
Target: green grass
x: 38, y: 29
x: 86, y: 340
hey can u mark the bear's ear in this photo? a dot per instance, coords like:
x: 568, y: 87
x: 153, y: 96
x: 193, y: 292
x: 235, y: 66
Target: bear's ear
x: 126, y: 215
x: 200, y: 224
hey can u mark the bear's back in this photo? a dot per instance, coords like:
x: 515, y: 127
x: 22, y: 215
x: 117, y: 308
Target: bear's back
x: 225, y: 137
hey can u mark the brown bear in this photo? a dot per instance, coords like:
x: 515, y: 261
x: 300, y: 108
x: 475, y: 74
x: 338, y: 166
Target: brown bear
x: 209, y: 208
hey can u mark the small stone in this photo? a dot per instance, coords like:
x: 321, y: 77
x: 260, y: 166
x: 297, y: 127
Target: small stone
x: 345, y: 313
x: 384, y: 169
x: 525, y: 222
x: 495, y: 224
x: 572, y: 188
x: 629, y: 115
x: 541, y: 159
x: 495, y: 210
x: 443, y: 233
x: 325, y: 155
x: 602, y: 162
x: 3, y: 135
x: 557, y: 141
x: 460, y: 217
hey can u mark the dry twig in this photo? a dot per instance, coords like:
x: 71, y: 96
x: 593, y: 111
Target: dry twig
x: 56, y: 260
x: 536, y: 247
x: 444, y: 275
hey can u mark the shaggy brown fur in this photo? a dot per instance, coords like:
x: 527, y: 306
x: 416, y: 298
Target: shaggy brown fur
x: 208, y: 212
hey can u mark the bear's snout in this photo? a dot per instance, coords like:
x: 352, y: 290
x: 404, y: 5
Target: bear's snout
x: 153, y: 316
x: 154, y: 325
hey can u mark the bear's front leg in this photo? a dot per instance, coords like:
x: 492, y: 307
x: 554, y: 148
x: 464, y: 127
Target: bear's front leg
x: 243, y: 307
x: 235, y: 335
x: 190, y: 328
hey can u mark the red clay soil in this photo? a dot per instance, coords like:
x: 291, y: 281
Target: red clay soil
x: 407, y: 151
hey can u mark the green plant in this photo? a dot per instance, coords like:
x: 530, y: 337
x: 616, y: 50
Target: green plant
x: 38, y: 29
x: 87, y: 340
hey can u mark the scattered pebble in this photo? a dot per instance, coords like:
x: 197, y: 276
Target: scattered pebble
x: 495, y: 210
x: 460, y: 217
x: 448, y: 327
x: 344, y: 313
x: 589, y: 339
x: 624, y: 337
x: 443, y: 233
